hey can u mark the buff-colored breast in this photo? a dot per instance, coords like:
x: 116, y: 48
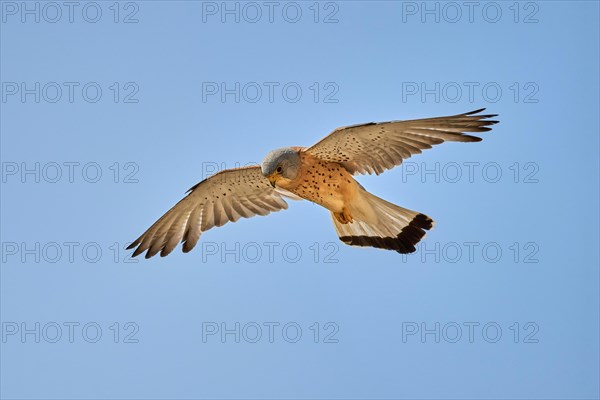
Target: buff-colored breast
x: 326, y: 183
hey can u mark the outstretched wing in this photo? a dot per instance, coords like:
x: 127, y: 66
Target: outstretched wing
x: 225, y: 196
x: 375, y: 147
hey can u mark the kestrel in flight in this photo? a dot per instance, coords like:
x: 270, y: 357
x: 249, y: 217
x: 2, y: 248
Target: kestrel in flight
x: 323, y: 174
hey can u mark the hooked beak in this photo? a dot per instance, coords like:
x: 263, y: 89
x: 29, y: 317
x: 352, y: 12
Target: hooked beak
x: 272, y: 181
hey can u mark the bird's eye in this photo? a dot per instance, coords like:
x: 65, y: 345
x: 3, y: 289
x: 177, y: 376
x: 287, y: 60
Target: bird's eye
x: 279, y: 169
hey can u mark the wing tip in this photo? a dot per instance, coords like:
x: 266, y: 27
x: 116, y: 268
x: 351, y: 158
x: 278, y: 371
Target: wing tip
x: 474, y: 111
x: 481, y: 116
x: 137, y: 252
x: 165, y: 251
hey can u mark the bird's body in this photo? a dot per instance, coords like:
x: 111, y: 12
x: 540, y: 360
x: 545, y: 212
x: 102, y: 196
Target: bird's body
x: 325, y: 183
x: 323, y: 174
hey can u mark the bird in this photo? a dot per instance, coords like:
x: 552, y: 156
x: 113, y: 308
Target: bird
x: 323, y: 174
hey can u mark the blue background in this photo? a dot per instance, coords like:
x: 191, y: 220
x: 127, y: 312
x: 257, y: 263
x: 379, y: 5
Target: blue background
x: 371, y: 297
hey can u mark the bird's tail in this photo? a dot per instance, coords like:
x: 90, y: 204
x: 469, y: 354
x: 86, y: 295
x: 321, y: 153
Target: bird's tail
x: 381, y: 224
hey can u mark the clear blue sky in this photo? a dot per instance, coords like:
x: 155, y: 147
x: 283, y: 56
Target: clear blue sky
x: 105, y: 124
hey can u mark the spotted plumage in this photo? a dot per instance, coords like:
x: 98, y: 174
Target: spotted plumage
x: 323, y: 174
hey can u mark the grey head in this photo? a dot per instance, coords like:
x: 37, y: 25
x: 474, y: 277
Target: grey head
x: 281, y: 163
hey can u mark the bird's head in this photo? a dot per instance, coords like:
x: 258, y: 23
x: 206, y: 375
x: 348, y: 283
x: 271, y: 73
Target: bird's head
x: 281, y: 165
